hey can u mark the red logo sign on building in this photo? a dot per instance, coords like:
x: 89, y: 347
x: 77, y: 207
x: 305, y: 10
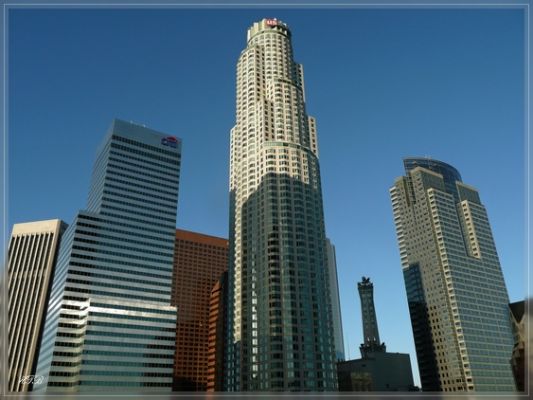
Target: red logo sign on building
x: 169, y: 141
x: 272, y: 22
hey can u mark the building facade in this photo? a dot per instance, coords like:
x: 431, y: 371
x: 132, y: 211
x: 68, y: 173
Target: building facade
x: 199, y: 261
x: 281, y: 331
x: 31, y: 260
x: 378, y: 371
x: 335, y: 301
x: 518, y: 358
x: 456, y: 293
x: 216, y: 349
x: 110, y: 326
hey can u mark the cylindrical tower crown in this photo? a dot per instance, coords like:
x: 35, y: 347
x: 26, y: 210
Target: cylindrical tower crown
x: 450, y: 175
x: 268, y: 24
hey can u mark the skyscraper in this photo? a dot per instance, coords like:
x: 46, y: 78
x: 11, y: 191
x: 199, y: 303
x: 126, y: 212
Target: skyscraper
x: 335, y: 301
x: 456, y: 293
x: 31, y: 260
x: 371, y: 342
x: 199, y: 261
x: 281, y: 330
x: 110, y: 325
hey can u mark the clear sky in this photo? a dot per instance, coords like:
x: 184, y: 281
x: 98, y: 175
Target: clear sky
x: 382, y: 84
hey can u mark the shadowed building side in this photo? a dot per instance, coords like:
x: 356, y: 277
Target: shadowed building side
x: 376, y: 372
x: 425, y: 351
x: 216, y: 351
x: 199, y: 261
x: 335, y: 301
x: 518, y: 359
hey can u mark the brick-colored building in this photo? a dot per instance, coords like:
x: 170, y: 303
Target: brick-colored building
x: 199, y: 261
x: 217, y: 327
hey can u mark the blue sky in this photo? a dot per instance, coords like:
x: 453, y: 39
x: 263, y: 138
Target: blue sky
x: 383, y: 84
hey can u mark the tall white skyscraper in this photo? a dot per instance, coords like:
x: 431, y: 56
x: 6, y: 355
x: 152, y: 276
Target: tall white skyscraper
x: 281, y: 330
x: 457, y: 296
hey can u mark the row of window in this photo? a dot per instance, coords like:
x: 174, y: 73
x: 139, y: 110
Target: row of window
x: 132, y: 317
x: 160, y: 206
x: 128, y: 216
x: 128, y: 264
x: 109, y: 244
x: 117, y: 286
x: 148, y: 189
x: 119, y: 171
x: 128, y: 326
x: 142, y: 161
x: 166, y: 177
x: 96, y: 233
x: 112, y: 253
x: 123, y: 233
x: 173, y: 162
x: 79, y: 290
x: 121, y: 159
x: 173, y: 154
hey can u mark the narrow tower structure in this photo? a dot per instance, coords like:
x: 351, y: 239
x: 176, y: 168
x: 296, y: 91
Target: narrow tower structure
x: 371, y: 342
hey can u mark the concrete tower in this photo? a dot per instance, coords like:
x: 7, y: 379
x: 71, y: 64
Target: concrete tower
x: 370, y: 324
x: 31, y: 260
x: 110, y: 326
x: 456, y: 293
x: 281, y: 331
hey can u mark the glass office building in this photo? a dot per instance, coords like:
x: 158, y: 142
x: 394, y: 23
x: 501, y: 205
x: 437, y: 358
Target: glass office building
x: 456, y: 293
x: 110, y: 325
x: 281, y: 330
